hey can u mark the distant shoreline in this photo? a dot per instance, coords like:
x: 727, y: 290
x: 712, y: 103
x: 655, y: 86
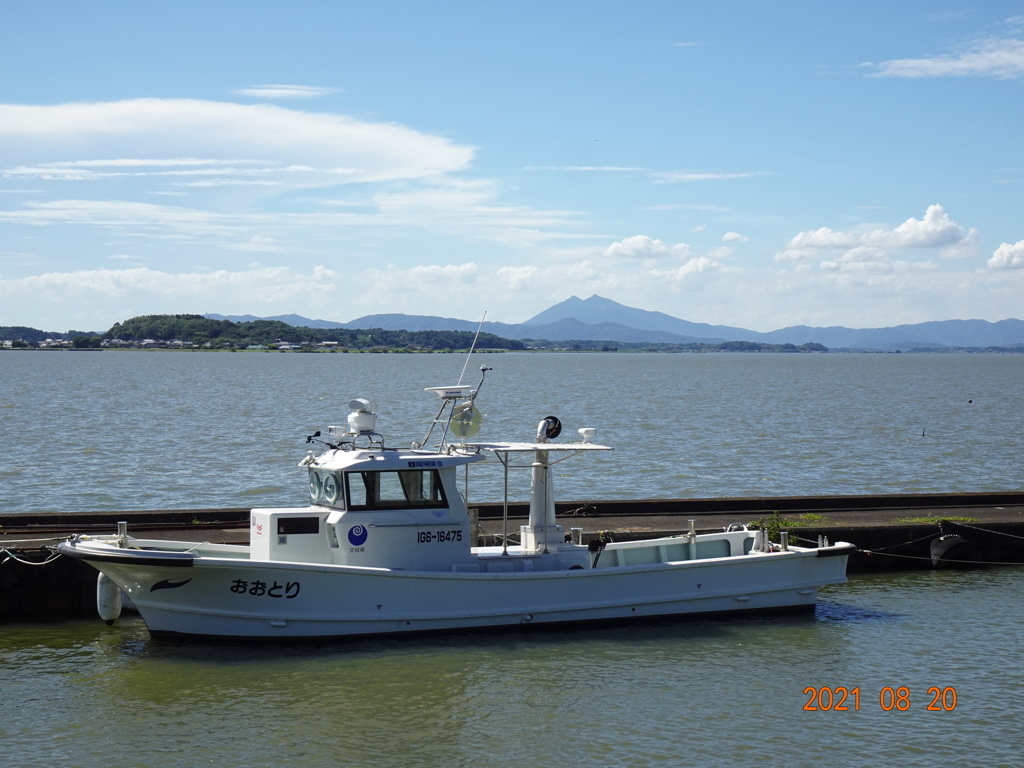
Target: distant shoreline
x: 402, y: 351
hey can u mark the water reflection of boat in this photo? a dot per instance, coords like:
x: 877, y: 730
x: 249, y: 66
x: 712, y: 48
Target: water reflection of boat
x: 385, y: 547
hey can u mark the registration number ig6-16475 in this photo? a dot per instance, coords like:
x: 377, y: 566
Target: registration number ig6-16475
x: 438, y: 536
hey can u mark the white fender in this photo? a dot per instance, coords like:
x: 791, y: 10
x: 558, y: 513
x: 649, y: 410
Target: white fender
x: 108, y: 598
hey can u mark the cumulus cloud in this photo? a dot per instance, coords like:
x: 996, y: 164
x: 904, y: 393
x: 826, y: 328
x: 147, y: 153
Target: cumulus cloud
x: 665, y: 265
x: 990, y: 57
x: 934, y: 230
x: 1008, y: 256
x: 691, y: 267
x: 734, y: 237
x: 645, y: 248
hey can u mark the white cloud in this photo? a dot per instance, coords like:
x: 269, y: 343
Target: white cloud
x: 734, y: 237
x: 657, y: 257
x: 681, y: 273
x: 658, y: 177
x: 672, y: 177
x: 646, y: 248
x: 465, y: 209
x: 541, y: 286
x: 805, y: 244
x: 144, y: 285
x: 206, y: 138
x: 1008, y: 256
x: 133, y: 217
x: 858, y: 290
x: 867, y: 259
x: 967, y: 247
x: 260, y: 243
x: 934, y: 230
x: 991, y: 57
x: 286, y: 91
x: 433, y: 279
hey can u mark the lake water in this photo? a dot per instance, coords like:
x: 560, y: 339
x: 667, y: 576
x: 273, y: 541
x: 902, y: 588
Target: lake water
x: 729, y: 692
x: 142, y: 430
x: 157, y: 430
x: 151, y: 430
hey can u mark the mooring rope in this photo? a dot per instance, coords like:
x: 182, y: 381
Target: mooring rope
x: 870, y: 552
x: 11, y: 556
x: 29, y: 541
x: 996, y: 533
x: 904, y: 544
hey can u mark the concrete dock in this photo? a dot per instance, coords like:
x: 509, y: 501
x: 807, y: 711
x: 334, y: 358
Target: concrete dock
x: 892, y: 533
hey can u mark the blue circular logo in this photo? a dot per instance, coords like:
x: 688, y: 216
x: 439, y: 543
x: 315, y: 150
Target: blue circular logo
x: 357, y: 535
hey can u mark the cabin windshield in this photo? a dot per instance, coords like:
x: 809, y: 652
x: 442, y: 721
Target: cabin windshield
x: 403, y: 489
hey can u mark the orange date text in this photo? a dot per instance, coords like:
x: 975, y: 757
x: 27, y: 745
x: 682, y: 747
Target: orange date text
x: 841, y: 698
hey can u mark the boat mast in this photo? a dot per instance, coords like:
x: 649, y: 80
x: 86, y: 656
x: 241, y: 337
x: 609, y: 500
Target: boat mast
x: 542, y: 495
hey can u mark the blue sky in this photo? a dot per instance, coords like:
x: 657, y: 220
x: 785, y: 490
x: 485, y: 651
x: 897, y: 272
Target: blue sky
x: 758, y: 164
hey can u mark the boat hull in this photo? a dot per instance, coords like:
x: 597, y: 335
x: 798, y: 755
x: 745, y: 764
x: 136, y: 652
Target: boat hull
x: 238, y: 598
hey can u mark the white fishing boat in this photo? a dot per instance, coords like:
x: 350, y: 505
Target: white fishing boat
x: 385, y: 547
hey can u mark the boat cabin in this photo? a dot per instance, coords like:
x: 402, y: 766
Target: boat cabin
x: 377, y: 508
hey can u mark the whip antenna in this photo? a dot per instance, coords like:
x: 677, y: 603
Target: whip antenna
x: 477, y: 336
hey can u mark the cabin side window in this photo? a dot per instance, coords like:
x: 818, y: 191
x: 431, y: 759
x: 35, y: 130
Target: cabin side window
x: 404, y: 489
x: 326, y: 488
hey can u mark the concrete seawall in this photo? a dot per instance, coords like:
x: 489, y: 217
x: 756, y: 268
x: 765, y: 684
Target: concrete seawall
x: 893, y: 532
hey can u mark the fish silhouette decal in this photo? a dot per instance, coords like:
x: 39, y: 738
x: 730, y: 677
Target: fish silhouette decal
x: 169, y: 584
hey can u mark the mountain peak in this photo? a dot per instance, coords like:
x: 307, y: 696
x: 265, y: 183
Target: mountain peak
x: 588, y: 310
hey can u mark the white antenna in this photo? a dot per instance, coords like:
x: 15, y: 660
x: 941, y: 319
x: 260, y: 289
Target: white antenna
x: 466, y: 365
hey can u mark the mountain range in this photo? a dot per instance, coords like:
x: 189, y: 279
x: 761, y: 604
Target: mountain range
x: 601, y: 319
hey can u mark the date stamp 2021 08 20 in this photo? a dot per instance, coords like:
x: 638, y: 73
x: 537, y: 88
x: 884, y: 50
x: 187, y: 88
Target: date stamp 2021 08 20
x: 842, y: 699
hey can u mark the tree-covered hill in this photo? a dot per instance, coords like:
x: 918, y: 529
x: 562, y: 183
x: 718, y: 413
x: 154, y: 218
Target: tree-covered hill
x: 23, y: 333
x: 196, y: 329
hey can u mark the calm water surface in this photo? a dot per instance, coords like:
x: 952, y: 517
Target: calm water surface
x: 154, y: 430
x: 139, y: 430
x: 701, y: 693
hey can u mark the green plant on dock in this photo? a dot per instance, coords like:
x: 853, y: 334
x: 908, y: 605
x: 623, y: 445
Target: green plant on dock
x: 774, y: 524
x: 808, y: 518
